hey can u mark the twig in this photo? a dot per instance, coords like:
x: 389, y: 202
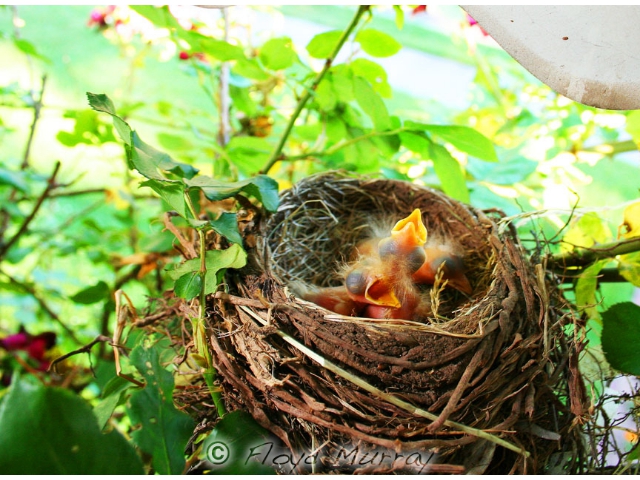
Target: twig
x: 275, y: 156
x: 86, y: 349
x: 582, y: 256
x: 223, y: 91
x: 43, y: 305
x: 37, y: 107
x: 173, y: 229
x: 323, y: 362
x: 23, y: 228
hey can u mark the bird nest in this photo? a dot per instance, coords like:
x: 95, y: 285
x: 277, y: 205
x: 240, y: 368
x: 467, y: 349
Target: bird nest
x: 482, y: 383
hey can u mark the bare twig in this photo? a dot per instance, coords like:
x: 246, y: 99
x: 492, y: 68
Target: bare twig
x: 29, y: 289
x: 275, y: 156
x: 37, y: 107
x: 51, y: 184
x: 85, y: 349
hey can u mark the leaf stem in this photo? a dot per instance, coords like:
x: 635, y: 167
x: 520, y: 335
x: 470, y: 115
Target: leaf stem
x: 198, y: 324
x: 275, y: 156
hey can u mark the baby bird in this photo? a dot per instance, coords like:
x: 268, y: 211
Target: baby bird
x: 442, y: 256
x: 336, y: 299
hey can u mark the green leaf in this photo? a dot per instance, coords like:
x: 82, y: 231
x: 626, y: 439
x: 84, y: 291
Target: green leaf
x: 111, y: 398
x: 240, y: 437
x: 325, y: 97
x: 371, y: 103
x: 323, y: 44
x: 25, y: 46
x: 159, y: 160
x: 93, y: 294
x: 250, y: 69
x: 218, y: 49
x: 417, y: 142
x: 188, y: 286
x: 164, y: 431
x: 161, y: 17
x: 102, y: 103
x: 621, y: 337
x: 264, y: 188
x: 227, y: 226
x: 374, y: 74
x: 174, y: 142
x: 216, y: 261
x: 242, y: 100
x: 377, y: 43
x: 399, y: 16
x: 465, y: 139
x: 450, y: 173
x: 502, y: 172
x: 586, y: 231
x: 277, y: 53
x: 249, y: 154
x: 51, y: 431
x: 172, y: 193
x: 629, y: 267
x: 586, y: 287
x: 15, y: 179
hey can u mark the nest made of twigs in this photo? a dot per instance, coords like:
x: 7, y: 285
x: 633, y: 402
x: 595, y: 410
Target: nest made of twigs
x: 499, y: 361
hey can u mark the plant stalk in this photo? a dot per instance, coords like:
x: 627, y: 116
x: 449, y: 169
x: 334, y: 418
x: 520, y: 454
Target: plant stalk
x: 275, y: 156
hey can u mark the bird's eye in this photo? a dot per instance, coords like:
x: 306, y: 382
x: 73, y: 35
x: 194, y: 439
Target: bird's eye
x: 386, y: 248
x: 356, y: 282
x: 415, y: 259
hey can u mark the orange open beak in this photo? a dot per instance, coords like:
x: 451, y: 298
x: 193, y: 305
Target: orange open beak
x: 406, y: 235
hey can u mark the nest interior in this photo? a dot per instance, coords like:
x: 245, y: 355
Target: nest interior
x: 500, y: 361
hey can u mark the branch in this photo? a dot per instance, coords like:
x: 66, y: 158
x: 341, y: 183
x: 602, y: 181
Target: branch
x: 583, y: 256
x: 37, y: 106
x: 85, y: 349
x: 275, y: 156
x: 23, y: 228
x: 30, y: 290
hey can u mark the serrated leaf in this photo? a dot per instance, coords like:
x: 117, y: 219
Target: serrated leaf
x: 450, y: 173
x: 216, y: 261
x: 164, y: 431
x: 161, y: 160
x: 188, y: 286
x: 93, y: 294
x: 218, y: 49
x: 102, y: 103
x: 277, y: 53
x: 172, y: 193
x: 586, y: 286
x: 323, y: 44
x: 242, y: 100
x: 51, y: 431
x: 621, y: 337
x: 241, y: 437
x: 371, y: 103
x: 264, y: 188
x: 377, y: 43
x: 227, y: 226
x: 465, y: 139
